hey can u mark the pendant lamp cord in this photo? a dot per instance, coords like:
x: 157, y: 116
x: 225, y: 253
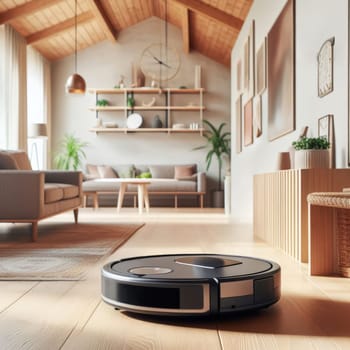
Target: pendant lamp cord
x: 76, y: 35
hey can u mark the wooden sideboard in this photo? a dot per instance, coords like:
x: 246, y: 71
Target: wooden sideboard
x: 281, y: 208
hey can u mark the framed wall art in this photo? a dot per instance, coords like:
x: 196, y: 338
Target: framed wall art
x: 326, y: 129
x: 248, y: 123
x: 251, y: 61
x: 257, y: 123
x: 239, y: 124
x: 239, y: 76
x: 281, y: 74
x: 246, y: 64
x: 260, y: 68
x: 325, y: 68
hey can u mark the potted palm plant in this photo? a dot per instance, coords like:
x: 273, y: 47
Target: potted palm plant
x: 71, y: 153
x: 311, y: 152
x: 219, y: 146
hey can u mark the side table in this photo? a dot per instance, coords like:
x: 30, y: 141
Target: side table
x: 329, y: 233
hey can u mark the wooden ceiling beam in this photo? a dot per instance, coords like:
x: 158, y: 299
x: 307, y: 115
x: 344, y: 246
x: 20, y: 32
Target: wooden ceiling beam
x: 212, y: 12
x: 25, y: 9
x: 101, y: 15
x: 59, y: 28
x: 185, y: 27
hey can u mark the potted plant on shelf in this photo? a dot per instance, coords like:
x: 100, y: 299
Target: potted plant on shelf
x: 71, y: 153
x: 311, y: 152
x: 219, y: 145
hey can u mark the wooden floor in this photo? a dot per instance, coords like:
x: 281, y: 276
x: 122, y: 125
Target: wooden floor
x: 313, y: 313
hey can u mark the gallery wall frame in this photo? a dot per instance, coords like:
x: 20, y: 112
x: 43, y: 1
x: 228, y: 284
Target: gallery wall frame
x: 325, y: 59
x: 281, y: 73
x: 239, y: 124
x: 239, y: 75
x: 251, y: 60
x: 260, y: 68
x: 257, y: 115
x: 246, y: 64
x: 248, y: 122
x: 326, y: 129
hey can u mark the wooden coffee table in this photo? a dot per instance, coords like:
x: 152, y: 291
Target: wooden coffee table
x: 142, y: 192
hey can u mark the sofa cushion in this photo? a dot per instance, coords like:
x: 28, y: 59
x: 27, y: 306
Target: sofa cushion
x: 183, y: 171
x: 22, y: 160
x: 92, y: 171
x: 106, y: 171
x: 55, y: 192
x: 7, y: 162
x: 52, y: 192
x: 162, y: 171
x: 125, y: 170
x: 69, y: 191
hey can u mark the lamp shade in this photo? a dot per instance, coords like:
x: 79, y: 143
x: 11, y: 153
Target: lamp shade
x: 37, y: 130
x: 75, y: 84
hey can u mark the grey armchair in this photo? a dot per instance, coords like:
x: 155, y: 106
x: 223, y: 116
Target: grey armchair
x: 29, y: 196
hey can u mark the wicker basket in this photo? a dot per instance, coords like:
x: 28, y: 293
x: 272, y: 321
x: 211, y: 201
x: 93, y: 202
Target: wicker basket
x: 343, y: 241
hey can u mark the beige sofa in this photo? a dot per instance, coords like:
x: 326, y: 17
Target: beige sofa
x: 29, y: 196
x: 166, y: 180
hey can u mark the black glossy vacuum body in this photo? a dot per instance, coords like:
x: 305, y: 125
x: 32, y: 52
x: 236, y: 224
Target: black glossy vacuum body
x: 191, y: 284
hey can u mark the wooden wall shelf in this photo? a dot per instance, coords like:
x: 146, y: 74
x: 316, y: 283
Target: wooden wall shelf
x: 167, y: 107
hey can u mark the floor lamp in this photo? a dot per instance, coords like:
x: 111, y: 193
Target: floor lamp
x: 36, y: 130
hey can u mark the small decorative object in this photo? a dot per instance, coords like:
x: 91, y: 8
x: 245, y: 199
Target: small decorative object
x: 98, y: 123
x: 138, y: 78
x: 157, y: 123
x: 197, y: 77
x: 248, y: 123
x: 110, y: 124
x: 121, y: 82
x: 134, y: 121
x: 311, y: 152
x: 325, y: 68
x: 179, y: 126
x: 149, y: 104
x: 283, y: 161
x: 102, y: 103
x: 131, y: 101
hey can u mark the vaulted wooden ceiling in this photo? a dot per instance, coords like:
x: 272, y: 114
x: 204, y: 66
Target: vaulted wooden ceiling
x: 208, y: 26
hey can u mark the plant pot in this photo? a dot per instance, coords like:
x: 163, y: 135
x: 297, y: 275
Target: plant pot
x: 218, y: 199
x: 311, y: 158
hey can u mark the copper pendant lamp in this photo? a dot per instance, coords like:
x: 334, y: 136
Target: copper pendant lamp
x: 75, y: 83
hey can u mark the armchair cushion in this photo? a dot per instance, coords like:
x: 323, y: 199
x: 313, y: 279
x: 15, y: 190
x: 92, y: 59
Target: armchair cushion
x: 55, y: 192
x: 7, y: 162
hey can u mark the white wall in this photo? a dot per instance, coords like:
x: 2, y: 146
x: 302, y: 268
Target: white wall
x: 101, y: 66
x: 315, y: 22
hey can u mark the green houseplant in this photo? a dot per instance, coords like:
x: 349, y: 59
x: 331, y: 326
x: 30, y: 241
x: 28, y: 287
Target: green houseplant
x: 71, y: 153
x: 219, y: 146
x: 311, y: 152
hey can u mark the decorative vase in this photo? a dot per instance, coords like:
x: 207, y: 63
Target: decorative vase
x: 218, y: 199
x: 197, y: 77
x: 283, y: 161
x: 311, y: 158
x: 157, y: 123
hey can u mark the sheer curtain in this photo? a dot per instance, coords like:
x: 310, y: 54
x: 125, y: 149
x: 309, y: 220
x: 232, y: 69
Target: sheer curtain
x: 13, y: 92
x: 39, y: 105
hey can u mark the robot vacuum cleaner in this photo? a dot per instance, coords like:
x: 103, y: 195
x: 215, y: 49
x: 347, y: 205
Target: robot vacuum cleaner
x: 191, y: 284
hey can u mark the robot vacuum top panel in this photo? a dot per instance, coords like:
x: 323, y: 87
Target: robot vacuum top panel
x: 183, y: 267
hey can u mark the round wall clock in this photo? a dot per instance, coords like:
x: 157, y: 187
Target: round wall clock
x: 159, y: 62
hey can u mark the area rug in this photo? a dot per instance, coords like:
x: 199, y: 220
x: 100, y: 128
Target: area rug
x: 62, y: 252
